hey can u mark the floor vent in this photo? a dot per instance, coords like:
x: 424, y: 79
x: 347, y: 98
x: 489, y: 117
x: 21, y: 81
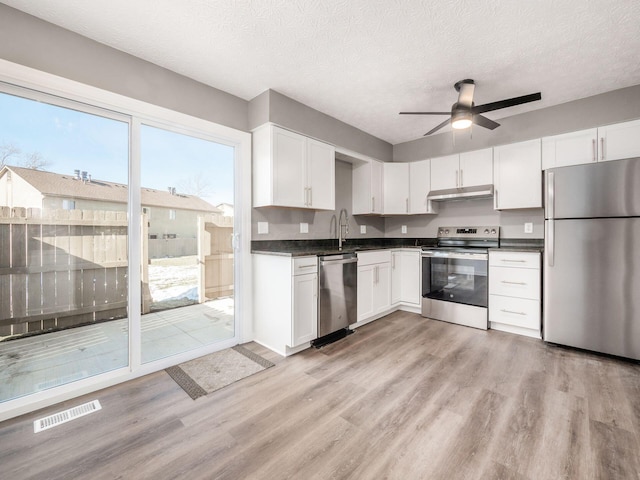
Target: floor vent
x: 66, y: 416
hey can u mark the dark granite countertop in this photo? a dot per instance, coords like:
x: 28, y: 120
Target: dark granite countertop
x: 521, y: 245
x: 301, y: 248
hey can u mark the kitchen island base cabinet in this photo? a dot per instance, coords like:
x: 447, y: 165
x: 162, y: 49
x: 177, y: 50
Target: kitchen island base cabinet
x: 285, y: 303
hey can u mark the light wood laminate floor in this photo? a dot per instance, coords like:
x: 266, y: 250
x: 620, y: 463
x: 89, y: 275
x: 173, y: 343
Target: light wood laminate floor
x: 404, y: 398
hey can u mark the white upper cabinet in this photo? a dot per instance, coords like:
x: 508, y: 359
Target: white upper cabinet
x: 406, y: 186
x: 444, y: 172
x: 611, y: 142
x: 570, y: 149
x: 419, y: 186
x: 517, y: 175
x: 321, y: 176
x: 469, y: 169
x: 476, y: 168
x: 367, y: 188
x: 396, y: 188
x: 291, y: 170
x: 618, y: 141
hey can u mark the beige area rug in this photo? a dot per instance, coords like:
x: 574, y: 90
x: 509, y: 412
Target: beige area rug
x: 207, y: 374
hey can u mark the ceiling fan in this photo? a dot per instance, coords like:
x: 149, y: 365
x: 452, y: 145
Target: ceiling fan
x: 463, y: 113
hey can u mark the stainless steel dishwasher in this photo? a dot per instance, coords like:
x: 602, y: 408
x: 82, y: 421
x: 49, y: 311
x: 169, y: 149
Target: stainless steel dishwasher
x: 338, y: 296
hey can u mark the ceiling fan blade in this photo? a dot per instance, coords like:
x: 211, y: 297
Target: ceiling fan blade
x: 425, y: 113
x: 510, y: 102
x: 485, y: 122
x: 443, y: 124
x: 465, y: 97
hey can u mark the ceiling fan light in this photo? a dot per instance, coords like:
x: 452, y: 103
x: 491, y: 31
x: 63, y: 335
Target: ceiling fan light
x: 460, y: 120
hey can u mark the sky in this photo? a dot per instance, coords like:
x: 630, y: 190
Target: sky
x: 70, y: 140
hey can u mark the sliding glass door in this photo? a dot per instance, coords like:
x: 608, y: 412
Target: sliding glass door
x: 63, y: 244
x: 187, y: 196
x: 118, y: 243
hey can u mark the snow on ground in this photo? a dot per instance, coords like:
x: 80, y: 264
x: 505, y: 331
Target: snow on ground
x: 173, y: 282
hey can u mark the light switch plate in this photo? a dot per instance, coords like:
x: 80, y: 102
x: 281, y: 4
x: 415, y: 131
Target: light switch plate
x: 304, y: 227
x: 404, y: 229
x: 528, y: 227
x: 363, y: 229
x: 263, y: 227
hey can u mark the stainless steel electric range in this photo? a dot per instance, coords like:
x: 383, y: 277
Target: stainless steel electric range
x: 454, y: 275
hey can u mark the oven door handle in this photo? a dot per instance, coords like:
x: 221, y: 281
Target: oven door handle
x: 460, y: 256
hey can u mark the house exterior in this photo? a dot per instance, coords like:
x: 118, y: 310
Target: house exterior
x: 169, y: 214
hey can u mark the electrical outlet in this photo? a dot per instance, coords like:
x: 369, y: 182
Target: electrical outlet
x: 304, y: 228
x: 404, y: 229
x: 528, y: 227
x: 363, y: 229
x: 263, y: 227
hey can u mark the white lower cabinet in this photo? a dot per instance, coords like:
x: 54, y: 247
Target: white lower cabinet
x: 374, y: 284
x: 515, y: 292
x: 285, y: 302
x: 305, y: 309
x: 405, y: 277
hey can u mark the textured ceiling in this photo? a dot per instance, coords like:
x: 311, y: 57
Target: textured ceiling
x: 363, y: 61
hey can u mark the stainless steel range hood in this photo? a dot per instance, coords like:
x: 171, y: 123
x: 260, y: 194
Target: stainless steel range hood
x: 479, y: 191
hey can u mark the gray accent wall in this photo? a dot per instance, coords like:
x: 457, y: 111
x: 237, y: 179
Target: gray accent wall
x: 32, y: 42
x: 293, y: 115
x: 611, y: 107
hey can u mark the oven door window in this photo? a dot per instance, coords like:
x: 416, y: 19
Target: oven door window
x: 455, y: 280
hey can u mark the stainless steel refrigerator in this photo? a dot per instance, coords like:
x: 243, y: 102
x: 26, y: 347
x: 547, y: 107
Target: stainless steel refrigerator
x: 592, y: 257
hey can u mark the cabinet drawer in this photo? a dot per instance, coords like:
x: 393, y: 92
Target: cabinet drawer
x: 303, y: 265
x: 514, y: 282
x: 514, y: 259
x: 514, y: 311
x: 373, y: 257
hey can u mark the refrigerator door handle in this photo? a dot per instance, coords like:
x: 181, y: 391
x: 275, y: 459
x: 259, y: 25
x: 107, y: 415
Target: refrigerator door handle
x: 549, y: 244
x: 551, y: 195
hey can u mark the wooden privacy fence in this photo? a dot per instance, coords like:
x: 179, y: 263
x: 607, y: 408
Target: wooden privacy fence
x: 215, y: 257
x: 61, y: 268
x: 172, y: 247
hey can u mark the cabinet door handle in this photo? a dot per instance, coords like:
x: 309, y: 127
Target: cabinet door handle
x: 310, y: 196
x: 512, y: 283
x: 461, y: 180
x: 373, y: 204
x: 510, y: 260
x: 495, y: 199
x: 407, y: 204
x: 593, y: 147
x: 601, y: 148
x: 306, y: 197
x: 456, y: 178
x: 511, y: 311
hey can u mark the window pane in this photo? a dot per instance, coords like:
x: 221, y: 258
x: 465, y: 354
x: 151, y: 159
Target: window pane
x: 63, y: 245
x: 187, y: 271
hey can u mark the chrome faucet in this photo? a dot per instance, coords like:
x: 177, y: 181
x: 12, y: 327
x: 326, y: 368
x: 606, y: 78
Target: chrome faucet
x: 343, y: 228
